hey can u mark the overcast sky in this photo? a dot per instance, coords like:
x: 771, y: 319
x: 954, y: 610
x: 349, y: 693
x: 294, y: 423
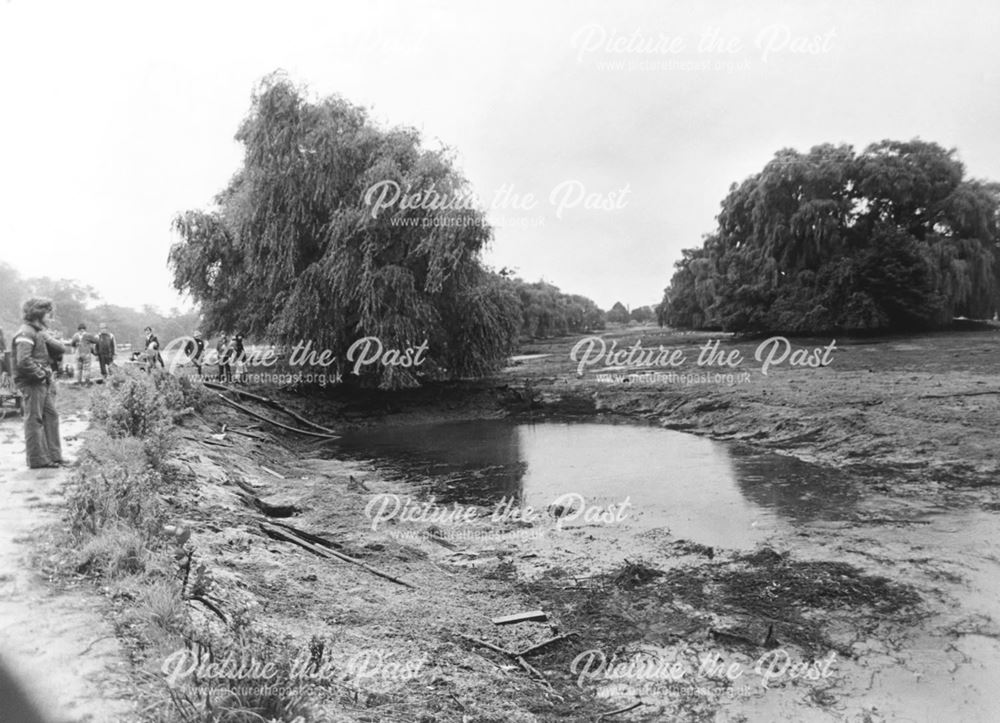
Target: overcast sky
x: 117, y: 116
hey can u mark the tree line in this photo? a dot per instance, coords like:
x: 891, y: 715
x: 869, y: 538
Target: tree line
x: 77, y: 302
x: 892, y: 238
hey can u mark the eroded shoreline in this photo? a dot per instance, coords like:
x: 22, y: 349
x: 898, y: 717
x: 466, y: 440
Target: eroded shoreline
x: 895, y: 593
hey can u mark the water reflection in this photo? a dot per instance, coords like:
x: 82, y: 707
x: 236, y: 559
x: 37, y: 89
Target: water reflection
x: 796, y: 490
x: 702, y: 490
x: 476, y: 462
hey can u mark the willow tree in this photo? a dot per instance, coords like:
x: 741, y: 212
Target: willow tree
x: 298, y: 247
x: 892, y: 238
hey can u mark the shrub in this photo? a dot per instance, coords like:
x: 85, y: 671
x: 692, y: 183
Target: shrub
x: 180, y: 393
x: 115, y: 485
x: 136, y: 404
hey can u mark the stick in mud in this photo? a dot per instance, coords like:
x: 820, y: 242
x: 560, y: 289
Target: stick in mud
x: 281, y: 534
x: 252, y: 413
x: 272, y: 403
x: 619, y: 711
x: 315, y: 539
x: 271, y: 471
x: 518, y: 657
x: 544, y: 643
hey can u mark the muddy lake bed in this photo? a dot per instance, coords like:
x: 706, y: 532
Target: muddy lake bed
x: 668, y: 488
x: 846, y: 518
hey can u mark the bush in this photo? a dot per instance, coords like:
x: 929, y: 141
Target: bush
x: 145, y: 406
x: 130, y: 405
x: 115, y: 485
x: 180, y: 393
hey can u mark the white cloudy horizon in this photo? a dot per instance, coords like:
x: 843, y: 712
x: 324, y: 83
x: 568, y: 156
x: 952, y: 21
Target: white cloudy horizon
x: 119, y: 116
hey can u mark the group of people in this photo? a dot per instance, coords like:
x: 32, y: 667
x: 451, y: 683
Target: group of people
x: 87, y: 346
x: 230, y: 352
x: 37, y: 357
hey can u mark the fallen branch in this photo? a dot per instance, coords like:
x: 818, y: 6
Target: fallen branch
x: 518, y: 657
x: 283, y: 534
x: 252, y: 435
x: 626, y: 709
x: 485, y: 644
x: 544, y: 643
x: 959, y: 394
x: 271, y: 403
x: 252, y: 413
x: 532, y: 670
x: 212, y: 442
x: 211, y: 606
x: 316, y: 539
x: 271, y: 471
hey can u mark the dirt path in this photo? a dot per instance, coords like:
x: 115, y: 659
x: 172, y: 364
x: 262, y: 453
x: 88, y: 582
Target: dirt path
x: 57, y: 642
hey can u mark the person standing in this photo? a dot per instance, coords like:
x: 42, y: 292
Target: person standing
x: 152, y: 350
x: 239, y: 359
x: 105, y: 349
x: 194, y: 349
x: 33, y: 351
x: 84, y: 344
x: 224, y: 350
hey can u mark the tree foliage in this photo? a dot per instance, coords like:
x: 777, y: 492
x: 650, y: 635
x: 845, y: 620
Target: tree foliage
x: 642, y: 314
x: 892, y: 238
x: 547, y: 312
x: 617, y: 314
x: 294, y: 252
x: 77, y: 302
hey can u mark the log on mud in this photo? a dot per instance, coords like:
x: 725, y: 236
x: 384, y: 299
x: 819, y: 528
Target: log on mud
x: 280, y: 533
x: 245, y: 410
x: 271, y: 403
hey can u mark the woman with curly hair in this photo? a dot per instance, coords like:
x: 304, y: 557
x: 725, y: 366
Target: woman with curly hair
x: 33, y: 349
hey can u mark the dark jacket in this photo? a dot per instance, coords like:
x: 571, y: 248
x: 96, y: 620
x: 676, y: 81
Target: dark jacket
x: 33, y: 351
x: 194, y: 349
x: 106, y: 345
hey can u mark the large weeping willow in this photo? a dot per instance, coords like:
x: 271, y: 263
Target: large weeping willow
x: 295, y: 252
x: 894, y: 238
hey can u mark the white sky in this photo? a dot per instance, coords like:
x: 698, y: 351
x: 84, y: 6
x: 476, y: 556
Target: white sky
x: 117, y: 116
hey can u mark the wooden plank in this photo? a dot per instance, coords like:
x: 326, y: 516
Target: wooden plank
x: 521, y: 617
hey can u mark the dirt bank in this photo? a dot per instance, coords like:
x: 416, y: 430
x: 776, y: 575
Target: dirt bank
x: 56, y: 635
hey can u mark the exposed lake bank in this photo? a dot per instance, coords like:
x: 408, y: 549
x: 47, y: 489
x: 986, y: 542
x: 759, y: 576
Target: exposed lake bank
x: 896, y: 584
